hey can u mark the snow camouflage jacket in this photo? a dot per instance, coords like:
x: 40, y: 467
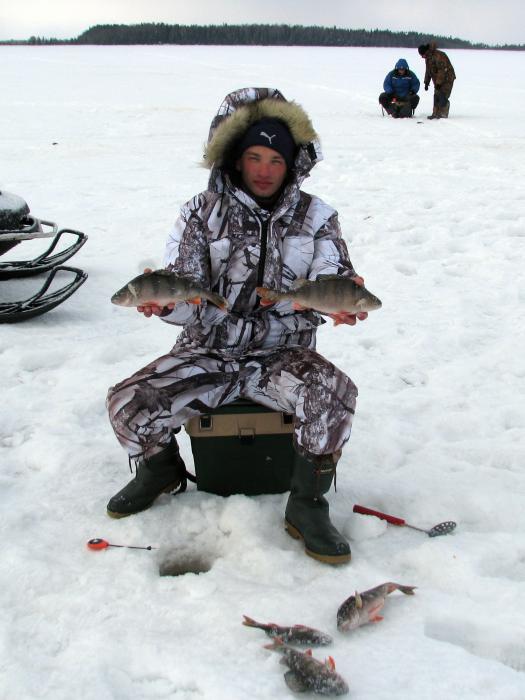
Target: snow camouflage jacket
x: 401, y: 85
x: 218, y: 239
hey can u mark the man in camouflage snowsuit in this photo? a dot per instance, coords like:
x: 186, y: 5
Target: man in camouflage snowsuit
x: 439, y: 69
x: 252, y: 227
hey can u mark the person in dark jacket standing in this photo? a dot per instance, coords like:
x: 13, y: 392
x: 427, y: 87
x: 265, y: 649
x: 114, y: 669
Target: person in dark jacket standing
x: 253, y: 226
x: 400, y: 87
x: 439, y: 69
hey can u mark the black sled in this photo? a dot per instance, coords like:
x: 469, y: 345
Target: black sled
x: 16, y: 226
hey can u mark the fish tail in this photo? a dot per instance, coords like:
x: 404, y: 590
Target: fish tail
x: 407, y: 590
x: 249, y: 622
x: 217, y: 300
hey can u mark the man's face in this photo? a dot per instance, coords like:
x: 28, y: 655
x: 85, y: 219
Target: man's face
x: 262, y: 170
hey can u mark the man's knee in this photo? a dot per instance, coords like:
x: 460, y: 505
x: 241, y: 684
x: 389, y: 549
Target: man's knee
x: 111, y: 403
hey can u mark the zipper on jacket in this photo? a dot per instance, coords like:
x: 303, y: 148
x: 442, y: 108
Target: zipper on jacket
x: 262, y: 258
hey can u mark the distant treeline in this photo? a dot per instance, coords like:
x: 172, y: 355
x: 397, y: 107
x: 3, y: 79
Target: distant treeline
x: 259, y: 35
x: 253, y: 35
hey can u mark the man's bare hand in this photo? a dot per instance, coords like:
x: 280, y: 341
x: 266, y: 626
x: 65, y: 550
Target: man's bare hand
x: 349, y: 319
x: 153, y: 309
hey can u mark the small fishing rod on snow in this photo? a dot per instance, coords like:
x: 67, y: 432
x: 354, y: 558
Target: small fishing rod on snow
x: 98, y: 543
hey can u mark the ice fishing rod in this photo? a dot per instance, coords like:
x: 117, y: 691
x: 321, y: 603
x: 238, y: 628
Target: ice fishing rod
x: 98, y: 543
x: 443, y: 528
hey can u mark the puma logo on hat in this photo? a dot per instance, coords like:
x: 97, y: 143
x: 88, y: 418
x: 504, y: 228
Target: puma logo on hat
x: 263, y: 133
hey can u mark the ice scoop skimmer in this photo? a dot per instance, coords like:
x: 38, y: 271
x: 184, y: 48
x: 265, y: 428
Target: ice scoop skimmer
x: 443, y: 528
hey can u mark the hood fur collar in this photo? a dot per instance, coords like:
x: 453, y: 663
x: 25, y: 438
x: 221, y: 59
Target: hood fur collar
x: 242, y: 108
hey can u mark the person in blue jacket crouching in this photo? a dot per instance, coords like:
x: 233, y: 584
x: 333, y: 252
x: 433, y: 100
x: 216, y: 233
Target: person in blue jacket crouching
x: 400, y: 86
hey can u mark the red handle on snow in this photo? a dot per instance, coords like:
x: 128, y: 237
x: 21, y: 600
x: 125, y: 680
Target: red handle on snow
x: 384, y: 516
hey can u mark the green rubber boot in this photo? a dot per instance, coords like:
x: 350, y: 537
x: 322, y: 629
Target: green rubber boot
x: 307, y: 511
x: 163, y: 473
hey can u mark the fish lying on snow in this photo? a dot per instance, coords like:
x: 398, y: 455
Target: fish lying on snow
x: 364, y: 607
x: 307, y: 673
x: 162, y: 287
x: 298, y: 634
x: 328, y: 294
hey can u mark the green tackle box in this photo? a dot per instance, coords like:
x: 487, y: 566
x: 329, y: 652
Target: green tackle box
x: 242, y: 447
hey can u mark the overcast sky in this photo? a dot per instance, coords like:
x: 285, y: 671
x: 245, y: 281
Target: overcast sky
x: 487, y: 21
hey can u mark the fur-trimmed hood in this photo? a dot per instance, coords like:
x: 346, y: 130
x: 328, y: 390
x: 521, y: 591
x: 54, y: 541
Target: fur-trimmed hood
x: 244, y: 107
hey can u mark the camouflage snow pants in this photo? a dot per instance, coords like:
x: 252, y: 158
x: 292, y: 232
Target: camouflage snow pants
x: 147, y: 408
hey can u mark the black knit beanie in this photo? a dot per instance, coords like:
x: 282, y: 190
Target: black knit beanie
x: 271, y: 133
x: 423, y: 49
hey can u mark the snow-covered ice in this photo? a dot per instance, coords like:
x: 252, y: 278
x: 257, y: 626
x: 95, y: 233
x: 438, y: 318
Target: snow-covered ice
x: 107, y: 140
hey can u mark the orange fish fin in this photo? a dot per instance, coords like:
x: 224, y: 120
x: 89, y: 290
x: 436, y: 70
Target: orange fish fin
x: 330, y: 663
x: 373, y: 612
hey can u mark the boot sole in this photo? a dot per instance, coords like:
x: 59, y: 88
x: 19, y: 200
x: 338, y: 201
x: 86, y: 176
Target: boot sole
x: 113, y: 514
x: 325, y: 558
x: 116, y: 515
